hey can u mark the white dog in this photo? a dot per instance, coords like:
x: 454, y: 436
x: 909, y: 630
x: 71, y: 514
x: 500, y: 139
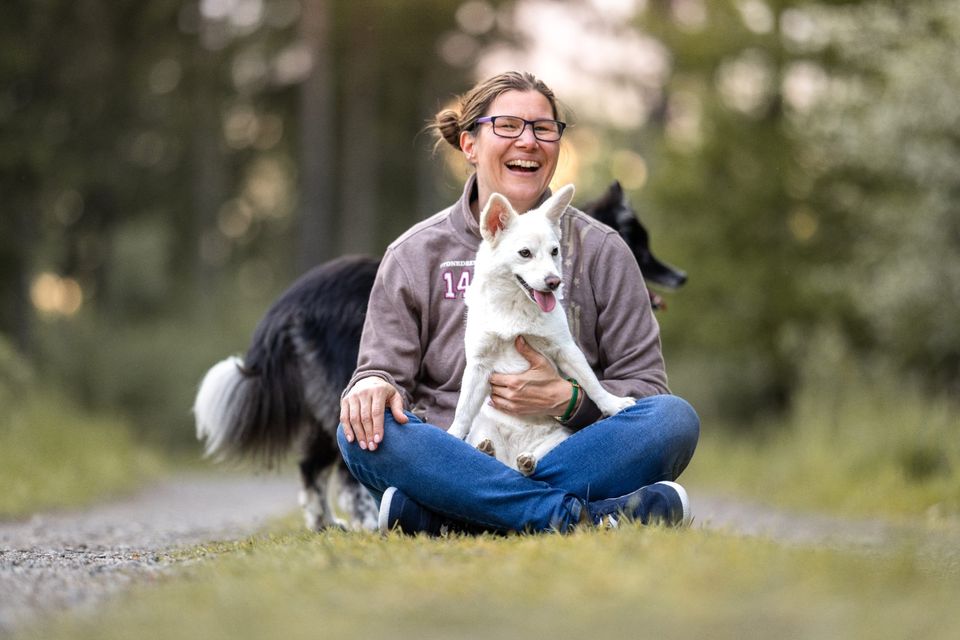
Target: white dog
x: 515, y: 280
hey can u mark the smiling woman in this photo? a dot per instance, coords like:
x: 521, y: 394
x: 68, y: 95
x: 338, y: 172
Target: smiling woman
x: 515, y: 160
x: 520, y: 157
x: 508, y: 129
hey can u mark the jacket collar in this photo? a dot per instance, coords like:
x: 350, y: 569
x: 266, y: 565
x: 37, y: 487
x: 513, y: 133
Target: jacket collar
x: 462, y: 215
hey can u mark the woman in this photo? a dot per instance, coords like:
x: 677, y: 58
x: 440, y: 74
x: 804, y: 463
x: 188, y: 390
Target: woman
x: 411, y: 356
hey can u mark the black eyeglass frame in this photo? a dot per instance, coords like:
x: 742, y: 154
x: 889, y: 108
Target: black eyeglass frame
x: 561, y: 126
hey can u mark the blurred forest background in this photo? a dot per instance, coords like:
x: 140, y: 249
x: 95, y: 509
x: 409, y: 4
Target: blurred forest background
x: 168, y: 167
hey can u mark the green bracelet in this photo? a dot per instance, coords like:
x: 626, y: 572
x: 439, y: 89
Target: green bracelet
x: 573, y: 401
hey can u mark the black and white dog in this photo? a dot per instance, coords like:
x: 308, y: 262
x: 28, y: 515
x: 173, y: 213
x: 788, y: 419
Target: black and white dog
x: 284, y: 394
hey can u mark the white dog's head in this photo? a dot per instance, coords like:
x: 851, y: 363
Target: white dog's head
x: 525, y: 247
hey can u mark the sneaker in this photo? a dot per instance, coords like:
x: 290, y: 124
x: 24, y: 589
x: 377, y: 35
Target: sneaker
x: 660, y: 503
x: 399, y: 512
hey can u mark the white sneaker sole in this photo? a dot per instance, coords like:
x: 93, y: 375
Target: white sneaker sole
x: 383, y: 518
x: 684, y: 501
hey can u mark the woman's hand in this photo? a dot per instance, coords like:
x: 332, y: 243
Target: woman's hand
x: 362, y: 410
x: 537, y: 391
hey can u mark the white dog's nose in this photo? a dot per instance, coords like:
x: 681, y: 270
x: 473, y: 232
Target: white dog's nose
x: 552, y: 282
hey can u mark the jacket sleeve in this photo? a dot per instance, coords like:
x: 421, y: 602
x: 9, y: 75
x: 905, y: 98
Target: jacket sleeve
x: 628, y: 335
x: 390, y: 346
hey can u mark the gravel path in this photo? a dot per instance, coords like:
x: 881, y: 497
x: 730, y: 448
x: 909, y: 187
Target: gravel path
x: 77, y: 559
x: 745, y: 518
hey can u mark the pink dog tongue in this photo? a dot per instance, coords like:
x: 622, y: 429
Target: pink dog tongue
x: 545, y: 300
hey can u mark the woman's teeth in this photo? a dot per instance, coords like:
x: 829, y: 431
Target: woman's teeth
x: 524, y: 165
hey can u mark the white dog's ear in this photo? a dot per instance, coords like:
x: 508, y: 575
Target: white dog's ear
x: 558, y: 203
x: 495, y: 217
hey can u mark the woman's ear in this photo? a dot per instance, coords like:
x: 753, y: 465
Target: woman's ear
x: 468, y: 146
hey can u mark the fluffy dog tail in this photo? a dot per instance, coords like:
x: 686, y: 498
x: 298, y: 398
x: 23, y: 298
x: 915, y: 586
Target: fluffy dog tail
x: 253, y: 407
x: 219, y: 407
x: 241, y: 413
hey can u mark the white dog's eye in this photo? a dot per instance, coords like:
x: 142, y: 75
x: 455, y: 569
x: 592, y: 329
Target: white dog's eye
x: 555, y: 252
x: 525, y: 253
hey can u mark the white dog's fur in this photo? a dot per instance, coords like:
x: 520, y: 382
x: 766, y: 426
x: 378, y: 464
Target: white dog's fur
x: 500, y: 308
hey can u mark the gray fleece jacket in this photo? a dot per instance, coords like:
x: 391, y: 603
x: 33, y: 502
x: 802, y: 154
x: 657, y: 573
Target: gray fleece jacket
x: 413, y: 333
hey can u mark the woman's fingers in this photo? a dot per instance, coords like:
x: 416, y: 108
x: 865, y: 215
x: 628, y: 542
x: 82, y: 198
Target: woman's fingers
x: 396, y: 408
x: 348, y: 432
x: 356, y: 417
x: 532, y: 392
x: 374, y: 421
x: 363, y: 409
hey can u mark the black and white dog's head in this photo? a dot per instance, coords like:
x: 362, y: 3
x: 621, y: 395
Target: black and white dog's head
x: 613, y: 210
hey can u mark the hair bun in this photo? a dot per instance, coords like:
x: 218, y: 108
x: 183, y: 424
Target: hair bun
x: 447, y: 124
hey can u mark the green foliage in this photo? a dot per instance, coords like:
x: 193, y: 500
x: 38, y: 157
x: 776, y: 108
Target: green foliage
x: 15, y: 374
x: 883, y: 152
x: 721, y: 191
x: 53, y: 454
x: 632, y: 582
x: 861, y: 440
x: 802, y: 161
x: 141, y: 285
x: 148, y: 370
x: 151, y: 158
x: 806, y: 176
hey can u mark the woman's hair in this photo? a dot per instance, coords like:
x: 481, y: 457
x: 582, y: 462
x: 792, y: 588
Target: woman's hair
x: 449, y: 123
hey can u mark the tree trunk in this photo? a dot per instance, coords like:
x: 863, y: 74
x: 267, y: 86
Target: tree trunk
x: 361, y: 150
x: 209, y: 174
x: 23, y: 309
x: 317, y: 140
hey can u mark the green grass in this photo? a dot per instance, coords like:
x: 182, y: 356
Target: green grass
x: 866, y: 447
x: 860, y: 450
x: 634, y: 582
x: 53, y: 455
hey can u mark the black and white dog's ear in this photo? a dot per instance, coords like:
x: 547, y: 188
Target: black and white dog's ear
x: 558, y: 203
x: 616, y: 195
x: 495, y: 217
x: 612, y: 198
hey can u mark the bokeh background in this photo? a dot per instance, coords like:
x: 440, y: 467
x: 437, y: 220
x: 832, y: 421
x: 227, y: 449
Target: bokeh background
x: 168, y: 167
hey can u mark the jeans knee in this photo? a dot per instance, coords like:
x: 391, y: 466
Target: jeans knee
x: 393, y: 433
x: 683, y: 418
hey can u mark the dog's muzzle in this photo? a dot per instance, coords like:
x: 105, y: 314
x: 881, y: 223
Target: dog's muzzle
x: 544, y: 299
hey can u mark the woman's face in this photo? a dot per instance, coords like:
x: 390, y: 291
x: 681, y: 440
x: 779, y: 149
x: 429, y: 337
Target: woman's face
x: 518, y: 168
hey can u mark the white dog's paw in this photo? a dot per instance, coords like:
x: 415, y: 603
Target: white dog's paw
x: 486, y: 446
x: 526, y: 463
x: 615, y: 404
x: 312, y: 504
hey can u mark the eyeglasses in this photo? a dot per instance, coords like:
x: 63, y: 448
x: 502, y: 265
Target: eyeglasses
x: 512, y: 127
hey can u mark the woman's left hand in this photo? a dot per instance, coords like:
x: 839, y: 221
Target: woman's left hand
x: 537, y: 391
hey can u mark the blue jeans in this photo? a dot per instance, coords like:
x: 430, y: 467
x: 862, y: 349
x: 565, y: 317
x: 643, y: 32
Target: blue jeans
x: 651, y: 441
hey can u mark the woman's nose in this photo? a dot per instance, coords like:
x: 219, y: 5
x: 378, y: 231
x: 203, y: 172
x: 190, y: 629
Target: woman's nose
x: 526, y: 137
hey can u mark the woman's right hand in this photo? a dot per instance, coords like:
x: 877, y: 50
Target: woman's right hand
x: 362, y: 410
